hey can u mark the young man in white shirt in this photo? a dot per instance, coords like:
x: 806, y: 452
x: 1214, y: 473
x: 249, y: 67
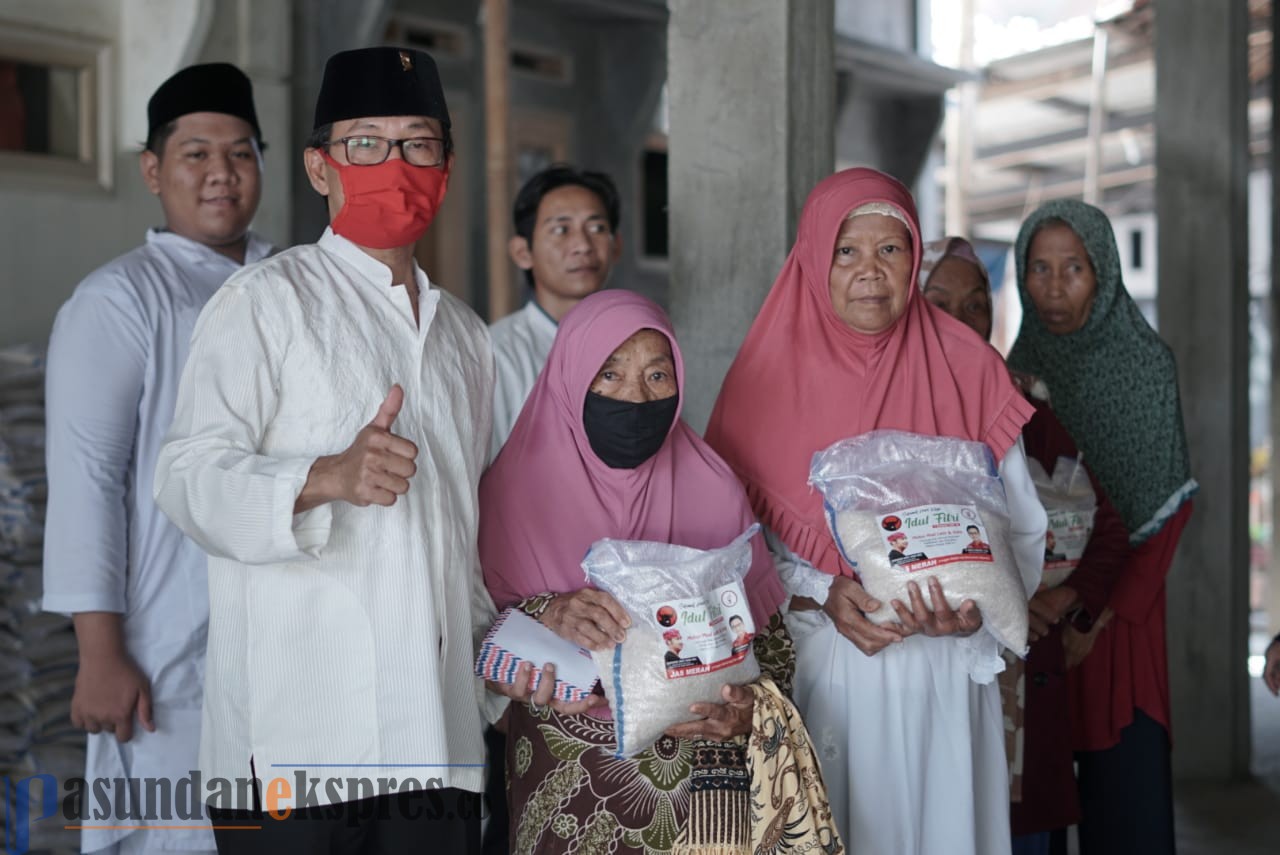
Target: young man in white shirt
x: 135, y: 587
x: 330, y: 431
x: 566, y: 242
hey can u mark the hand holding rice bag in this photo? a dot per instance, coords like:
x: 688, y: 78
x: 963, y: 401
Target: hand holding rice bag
x: 690, y: 632
x: 1069, y: 500
x: 903, y: 507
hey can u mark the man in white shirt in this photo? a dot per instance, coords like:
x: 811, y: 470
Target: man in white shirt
x: 331, y: 427
x: 566, y: 242
x: 135, y: 587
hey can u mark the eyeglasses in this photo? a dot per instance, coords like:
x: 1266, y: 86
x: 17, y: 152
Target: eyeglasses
x: 370, y: 151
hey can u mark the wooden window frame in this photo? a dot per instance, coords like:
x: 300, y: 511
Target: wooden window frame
x: 93, y: 165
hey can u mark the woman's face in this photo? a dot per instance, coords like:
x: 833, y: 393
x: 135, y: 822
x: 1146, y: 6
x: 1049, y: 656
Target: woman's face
x: 640, y: 370
x: 958, y: 288
x: 871, y: 272
x: 1060, y: 279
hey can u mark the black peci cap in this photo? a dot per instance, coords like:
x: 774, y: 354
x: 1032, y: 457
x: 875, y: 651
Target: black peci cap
x: 380, y: 81
x: 216, y: 87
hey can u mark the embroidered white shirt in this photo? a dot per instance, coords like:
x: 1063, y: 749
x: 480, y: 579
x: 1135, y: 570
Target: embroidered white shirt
x: 340, y: 639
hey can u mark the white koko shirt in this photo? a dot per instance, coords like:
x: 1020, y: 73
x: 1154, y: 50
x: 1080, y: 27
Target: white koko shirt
x: 340, y: 639
x: 115, y: 355
x: 521, y: 342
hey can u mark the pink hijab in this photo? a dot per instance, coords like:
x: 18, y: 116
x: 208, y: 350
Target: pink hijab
x: 803, y: 379
x: 547, y: 497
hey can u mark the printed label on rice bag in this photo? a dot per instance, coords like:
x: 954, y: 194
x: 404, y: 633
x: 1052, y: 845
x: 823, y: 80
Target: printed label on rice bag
x: 931, y: 535
x: 705, y: 634
x: 1066, y: 538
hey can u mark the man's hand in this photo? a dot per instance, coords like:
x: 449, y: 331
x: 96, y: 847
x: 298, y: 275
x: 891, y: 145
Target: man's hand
x: 1271, y: 671
x: 941, y: 619
x: 110, y: 688
x: 374, y: 470
x: 587, y: 617
x: 847, y: 604
x: 720, y: 722
x: 519, y: 691
x: 1047, y: 608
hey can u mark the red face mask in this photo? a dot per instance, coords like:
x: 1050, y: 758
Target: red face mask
x: 387, y: 205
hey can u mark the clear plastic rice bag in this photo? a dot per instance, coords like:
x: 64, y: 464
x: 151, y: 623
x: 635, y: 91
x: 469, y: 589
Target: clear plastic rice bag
x: 1069, y: 500
x: 904, y: 507
x: 690, y: 634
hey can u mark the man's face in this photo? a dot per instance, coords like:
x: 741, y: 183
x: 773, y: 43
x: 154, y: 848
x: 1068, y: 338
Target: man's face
x: 675, y: 645
x: 208, y: 178
x: 324, y: 177
x: 974, y: 535
x: 1049, y: 540
x: 573, y: 247
x: 898, y: 542
x: 736, y: 624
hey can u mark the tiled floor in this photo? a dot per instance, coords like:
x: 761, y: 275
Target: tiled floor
x: 1235, y: 819
x: 1238, y: 819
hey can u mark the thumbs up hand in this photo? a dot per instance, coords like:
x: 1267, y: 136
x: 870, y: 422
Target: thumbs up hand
x: 389, y: 409
x: 374, y: 470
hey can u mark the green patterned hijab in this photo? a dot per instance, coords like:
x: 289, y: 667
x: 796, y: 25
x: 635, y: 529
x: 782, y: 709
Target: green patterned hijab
x: 1113, y: 382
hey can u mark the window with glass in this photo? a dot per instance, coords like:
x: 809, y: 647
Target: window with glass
x: 52, y: 92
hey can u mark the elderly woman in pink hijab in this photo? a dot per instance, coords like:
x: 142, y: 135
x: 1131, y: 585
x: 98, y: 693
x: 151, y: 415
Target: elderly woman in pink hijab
x: 599, y: 451
x: 906, y: 717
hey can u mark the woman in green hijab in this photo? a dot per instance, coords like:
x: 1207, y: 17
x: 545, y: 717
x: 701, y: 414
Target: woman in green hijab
x: 1114, y: 385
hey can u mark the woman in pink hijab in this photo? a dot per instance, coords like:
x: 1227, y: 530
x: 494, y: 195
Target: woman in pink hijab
x: 599, y: 451
x: 906, y: 717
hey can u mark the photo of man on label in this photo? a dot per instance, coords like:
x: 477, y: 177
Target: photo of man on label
x: 1051, y: 546
x: 898, y: 550
x: 976, y: 544
x: 741, y: 638
x: 675, y: 644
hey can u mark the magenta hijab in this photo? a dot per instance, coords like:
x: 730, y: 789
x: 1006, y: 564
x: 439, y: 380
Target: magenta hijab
x: 548, y: 497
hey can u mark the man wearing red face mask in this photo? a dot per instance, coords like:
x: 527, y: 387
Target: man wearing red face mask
x: 330, y: 432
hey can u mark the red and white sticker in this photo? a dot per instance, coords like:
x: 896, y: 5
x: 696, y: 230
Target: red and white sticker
x: 928, y: 536
x: 705, y: 634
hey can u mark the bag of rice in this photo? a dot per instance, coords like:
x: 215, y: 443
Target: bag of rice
x: 1069, y: 500
x: 904, y: 507
x: 690, y: 633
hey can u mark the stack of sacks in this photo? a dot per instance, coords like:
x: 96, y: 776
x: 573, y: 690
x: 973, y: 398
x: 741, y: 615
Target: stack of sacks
x: 37, y: 650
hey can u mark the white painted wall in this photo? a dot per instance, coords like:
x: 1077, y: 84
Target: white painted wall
x: 50, y: 238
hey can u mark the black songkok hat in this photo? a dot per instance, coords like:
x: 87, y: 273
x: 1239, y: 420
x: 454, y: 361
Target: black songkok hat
x: 217, y: 87
x: 380, y: 81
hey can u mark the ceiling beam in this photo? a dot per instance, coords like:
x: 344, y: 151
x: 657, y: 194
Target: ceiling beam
x: 1016, y: 200
x: 1041, y: 86
x: 1053, y: 146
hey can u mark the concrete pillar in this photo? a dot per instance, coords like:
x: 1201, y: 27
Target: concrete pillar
x: 751, y: 95
x: 1202, y: 211
x: 1273, y: 568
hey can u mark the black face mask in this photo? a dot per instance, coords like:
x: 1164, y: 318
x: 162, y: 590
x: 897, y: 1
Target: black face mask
x: 623, y: 434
